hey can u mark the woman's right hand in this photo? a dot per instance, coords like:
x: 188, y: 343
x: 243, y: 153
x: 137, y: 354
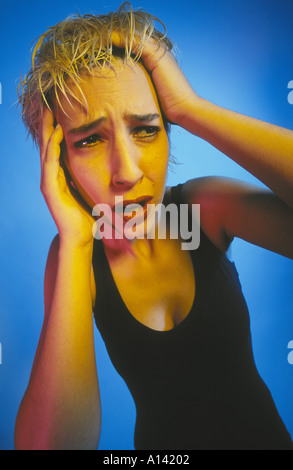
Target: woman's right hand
x: 73, y: 221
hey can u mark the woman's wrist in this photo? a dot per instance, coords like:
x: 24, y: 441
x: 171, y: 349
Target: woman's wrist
x: 69, y: 243
x: 188, y: 115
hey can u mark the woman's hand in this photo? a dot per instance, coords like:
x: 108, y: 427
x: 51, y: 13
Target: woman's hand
x: 174, y: 92
x: 73, y: 221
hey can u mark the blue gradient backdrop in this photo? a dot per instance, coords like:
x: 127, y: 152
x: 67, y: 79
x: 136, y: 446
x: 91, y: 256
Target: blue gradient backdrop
x: 236, y: 54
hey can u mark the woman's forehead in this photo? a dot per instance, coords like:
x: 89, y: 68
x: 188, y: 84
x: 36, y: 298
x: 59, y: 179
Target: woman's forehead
x: 121, y: 89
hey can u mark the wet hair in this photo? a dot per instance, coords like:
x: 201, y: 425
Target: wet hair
x: 81, y: 44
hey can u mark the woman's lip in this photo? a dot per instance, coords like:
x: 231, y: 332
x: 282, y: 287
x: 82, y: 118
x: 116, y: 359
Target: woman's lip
x: 127, y: 202
x: 138, y: 200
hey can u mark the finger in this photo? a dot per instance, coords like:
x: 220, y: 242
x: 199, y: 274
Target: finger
x: 133, y: 45
x: 51, y: 160
x: 53, y: 148
x: 117, y: 39
x: 46, y: 129
x: 150, y: 50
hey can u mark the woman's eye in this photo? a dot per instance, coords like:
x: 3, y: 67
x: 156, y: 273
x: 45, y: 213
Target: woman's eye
x: 147, y: 132
x: 88, y: 141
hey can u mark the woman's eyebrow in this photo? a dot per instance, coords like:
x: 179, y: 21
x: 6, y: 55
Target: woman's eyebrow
x: 87, y: 127
x: 141, y: 117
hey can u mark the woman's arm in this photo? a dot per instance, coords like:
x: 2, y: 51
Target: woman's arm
x: 61, y: 406
x: 263, y: 149
x: 230, y: 208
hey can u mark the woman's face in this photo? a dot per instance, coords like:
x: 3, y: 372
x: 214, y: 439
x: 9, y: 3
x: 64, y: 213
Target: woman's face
x: 117, y: 145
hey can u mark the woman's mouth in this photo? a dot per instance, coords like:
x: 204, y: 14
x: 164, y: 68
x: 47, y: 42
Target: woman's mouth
x: 134, y: 208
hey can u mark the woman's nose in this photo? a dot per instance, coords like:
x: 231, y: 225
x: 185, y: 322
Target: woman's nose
x: 125, y: 164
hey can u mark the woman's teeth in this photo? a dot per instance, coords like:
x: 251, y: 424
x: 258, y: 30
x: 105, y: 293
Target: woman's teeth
x: 133, y: 210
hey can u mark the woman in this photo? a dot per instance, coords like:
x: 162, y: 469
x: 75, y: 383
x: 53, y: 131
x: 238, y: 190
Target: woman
x: 98, y: 100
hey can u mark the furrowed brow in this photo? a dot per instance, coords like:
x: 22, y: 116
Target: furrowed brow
x: 145, y: 118
x: 87, y: 127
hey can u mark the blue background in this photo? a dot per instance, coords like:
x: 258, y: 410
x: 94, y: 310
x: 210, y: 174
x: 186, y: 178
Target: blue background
x: 238, y: 55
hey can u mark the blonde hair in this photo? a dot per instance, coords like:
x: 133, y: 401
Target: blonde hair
x: 78, y: 44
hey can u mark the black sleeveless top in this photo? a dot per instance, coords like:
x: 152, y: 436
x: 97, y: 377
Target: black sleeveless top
x: 195, y: 386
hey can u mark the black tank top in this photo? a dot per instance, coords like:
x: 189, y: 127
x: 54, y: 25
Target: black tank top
x: 195, y: 386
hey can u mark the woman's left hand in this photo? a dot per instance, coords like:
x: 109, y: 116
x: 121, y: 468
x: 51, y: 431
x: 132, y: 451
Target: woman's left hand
x: 174, y: 91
